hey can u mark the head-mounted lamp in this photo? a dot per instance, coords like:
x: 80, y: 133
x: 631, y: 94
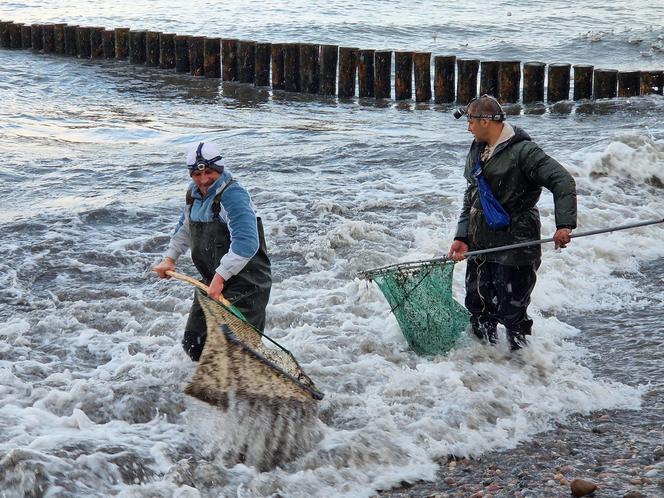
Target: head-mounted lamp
x: 202, y: 163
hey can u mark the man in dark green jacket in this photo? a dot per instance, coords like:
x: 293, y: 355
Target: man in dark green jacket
x: 502, y: 157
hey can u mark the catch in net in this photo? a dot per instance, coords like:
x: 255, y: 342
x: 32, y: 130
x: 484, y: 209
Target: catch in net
x: 420, y: 295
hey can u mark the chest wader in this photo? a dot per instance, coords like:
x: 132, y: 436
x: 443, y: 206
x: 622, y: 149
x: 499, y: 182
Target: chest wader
x: 249, y: 290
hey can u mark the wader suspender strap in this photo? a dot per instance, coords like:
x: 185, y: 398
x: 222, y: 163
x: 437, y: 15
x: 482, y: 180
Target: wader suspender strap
x: 216, y: 203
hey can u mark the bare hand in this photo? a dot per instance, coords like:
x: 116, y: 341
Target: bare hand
x: 166, y: 265
x: 216, y: 286
x: 562, y: 237
x: 458, y: 250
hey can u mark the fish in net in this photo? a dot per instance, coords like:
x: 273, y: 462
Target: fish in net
x: 420, y: 295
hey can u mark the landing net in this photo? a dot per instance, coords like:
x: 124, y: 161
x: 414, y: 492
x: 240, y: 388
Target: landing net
x: 420, y: 295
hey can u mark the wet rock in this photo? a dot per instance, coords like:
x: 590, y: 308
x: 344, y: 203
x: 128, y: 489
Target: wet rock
x: 634, y: 494
x: 582, y: 487
x: 659, y: 453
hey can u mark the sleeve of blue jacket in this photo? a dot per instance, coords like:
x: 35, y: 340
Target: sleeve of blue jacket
x: 239, y: 213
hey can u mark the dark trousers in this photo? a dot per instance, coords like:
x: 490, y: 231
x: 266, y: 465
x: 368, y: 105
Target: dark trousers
x: 497, y: 293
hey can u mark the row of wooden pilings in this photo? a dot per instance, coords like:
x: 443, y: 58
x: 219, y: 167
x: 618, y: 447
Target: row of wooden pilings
x: 330, y: 69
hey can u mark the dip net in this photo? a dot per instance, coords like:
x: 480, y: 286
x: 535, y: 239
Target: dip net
x: 420, y: 296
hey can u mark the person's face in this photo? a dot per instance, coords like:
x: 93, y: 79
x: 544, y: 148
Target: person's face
x: 479, y: 128
x: 205, y: 178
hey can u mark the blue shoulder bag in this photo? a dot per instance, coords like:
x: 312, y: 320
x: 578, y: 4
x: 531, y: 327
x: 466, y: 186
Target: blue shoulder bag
x: 494, y: 213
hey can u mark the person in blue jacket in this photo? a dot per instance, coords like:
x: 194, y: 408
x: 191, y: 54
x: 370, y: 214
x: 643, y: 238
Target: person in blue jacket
x: 220, y: 226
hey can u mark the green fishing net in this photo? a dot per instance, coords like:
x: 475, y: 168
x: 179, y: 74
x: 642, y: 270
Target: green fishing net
x: 420, y: 295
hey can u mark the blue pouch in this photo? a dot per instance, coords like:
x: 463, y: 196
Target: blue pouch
x: 494, y: 213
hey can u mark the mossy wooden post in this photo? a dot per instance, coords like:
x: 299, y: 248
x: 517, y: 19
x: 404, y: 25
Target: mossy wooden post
x: 26, y: 36
x: 277, y: 65
x: 212, y: 57
x: 558, y: 82
x: 509, y: 81
x: 383, y: 74
x: 309, y: 68
x: 48, y: 42
x: 652, y: 82
x: 246, y: 61
x: 422, y: 66
x: 365, y: 72
x: 292, y: 67
x: 583, y: 81
x: 167, y: 50
x: 229, y: 61
x: 59, y: 33
x: 196, y: 55
x: 152, y: 48
x: 443, y: 83
x: 347, y: 72
x: 15, y: 40
x: 108, y: 42
x: 629, y: 83
x: 605, y: 83
x: 467, y: 80
x: 329, y: 56
x: 182, y: 53
x: 489, y: 78
x: 533, y: 82
x: 37, y: 34
x: 96, y: 42
x: 262, y: 71
x: 5, y: 37
x: 137, y: 46
x: 71, y: 40
x: 403, y: 75
x: 121, y: 43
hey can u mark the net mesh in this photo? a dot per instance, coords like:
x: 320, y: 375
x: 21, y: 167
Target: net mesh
x: 421, y: 300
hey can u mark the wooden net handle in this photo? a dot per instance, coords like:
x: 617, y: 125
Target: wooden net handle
x: 198, y: 284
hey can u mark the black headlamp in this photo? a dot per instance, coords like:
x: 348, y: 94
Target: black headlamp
x: 463, y: 111
x: 202, y: 163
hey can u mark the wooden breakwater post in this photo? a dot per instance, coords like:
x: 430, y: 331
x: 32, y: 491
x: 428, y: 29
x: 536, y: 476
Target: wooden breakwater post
x: 403, y: 75
x: 26, y: 36
x: 365, y: 72
x: 71, y: 40
x: 5, y: 37
x: 48, y: 41
x: 59, y: 35
x: 152, y: 48
x: 652, y: 82
x: 583, y: 81
x: 347, y: 72
x: 422, y: 68
x: 291, y: 67
x: 444, y: 81
x: 558, y: 82
x: 489, y: 78
x: 121, y: 43
x: 309, y: 68
x: 137, y: 46
x: 246, y: 61
x: 329, y: 55
x: 277, y: 66
x: 509, y: 81
x: 197, y: 55
x: 96, y: 42
x: 605, y: 83
x: 37, y: 42
x: 182, y: 54
x: 167, y: 51
x: 629, y: 83
x: 533, y: 82
x: 262, y: 70
x: 108, y: 43
x: 229, y: 59
x: 383, y: 74
x: 15, y: 37
x: 467, y: 80
x: 212, y: 57
x: 83, y: 42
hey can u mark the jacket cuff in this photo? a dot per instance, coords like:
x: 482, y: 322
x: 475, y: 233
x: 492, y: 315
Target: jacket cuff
x: 569, y: 227
x: 224, y: 272
x: 462, y: 239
